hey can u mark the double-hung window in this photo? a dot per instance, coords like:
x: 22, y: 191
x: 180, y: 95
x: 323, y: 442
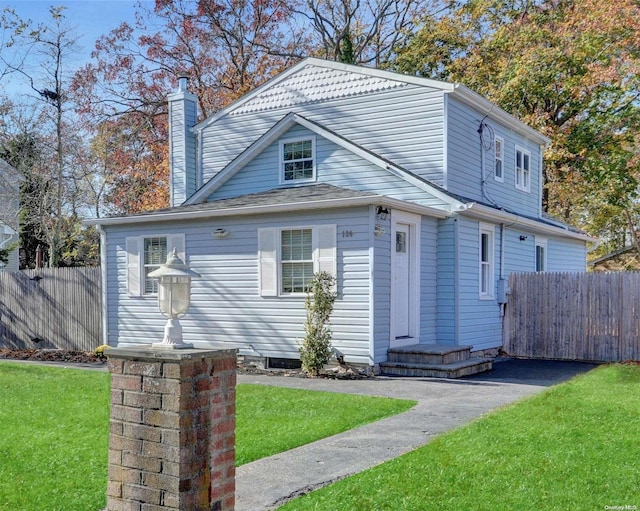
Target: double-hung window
x: 145, y: 254
x: 297, y: 160
x: 486, y: 263
x: 289, y: 256
x: 499, y: 159
x: 155, y: 254
x: 523, y: 170
x: 296, y: 261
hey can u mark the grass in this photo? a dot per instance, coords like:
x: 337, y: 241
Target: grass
x: 54, y: 427
x: 574, y: 446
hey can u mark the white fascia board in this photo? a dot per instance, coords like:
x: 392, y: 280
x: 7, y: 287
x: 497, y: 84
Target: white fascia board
x: 371, y: 200
x: 313, y: 61
x: 481, y: 212
x: 485, y: 106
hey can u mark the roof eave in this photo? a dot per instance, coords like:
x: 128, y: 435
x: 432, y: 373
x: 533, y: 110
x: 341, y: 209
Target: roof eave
x: 482, y: 212
x: 174, y: 216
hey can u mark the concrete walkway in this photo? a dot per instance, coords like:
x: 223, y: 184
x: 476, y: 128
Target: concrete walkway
x: 442, y: 405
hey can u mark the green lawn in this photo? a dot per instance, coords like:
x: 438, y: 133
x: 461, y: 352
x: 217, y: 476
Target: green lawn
x: 54, y: 427
x: 576, y: 446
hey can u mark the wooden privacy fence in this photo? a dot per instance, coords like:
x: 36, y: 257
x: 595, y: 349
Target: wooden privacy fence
x: 574, y: 316
x: 51, y: 308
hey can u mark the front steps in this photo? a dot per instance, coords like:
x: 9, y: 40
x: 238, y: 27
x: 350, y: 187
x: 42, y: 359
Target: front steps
x: 433, y: 361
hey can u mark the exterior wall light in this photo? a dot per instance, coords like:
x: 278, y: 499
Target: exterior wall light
x: 220, y: 233
x: 174, y: 295
x: 382, y: 212
x: 378, y: 230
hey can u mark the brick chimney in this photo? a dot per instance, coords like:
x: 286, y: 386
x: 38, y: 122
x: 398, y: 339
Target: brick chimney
x: 183, y: 115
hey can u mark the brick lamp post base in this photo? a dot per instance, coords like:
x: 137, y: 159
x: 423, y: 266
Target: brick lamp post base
x: 172, y: 430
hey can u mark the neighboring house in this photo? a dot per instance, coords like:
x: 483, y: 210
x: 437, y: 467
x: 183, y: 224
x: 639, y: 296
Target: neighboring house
x: 420, y: 196
x: 9, y: 209
x: 624, y: 259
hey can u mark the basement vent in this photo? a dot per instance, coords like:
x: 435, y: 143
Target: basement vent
x: 283, y: 363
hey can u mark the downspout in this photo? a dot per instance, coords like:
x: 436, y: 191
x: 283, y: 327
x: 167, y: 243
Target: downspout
x: 103, y: 282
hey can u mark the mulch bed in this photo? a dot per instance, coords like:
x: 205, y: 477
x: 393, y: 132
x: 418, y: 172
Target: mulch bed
x: 339, y: 372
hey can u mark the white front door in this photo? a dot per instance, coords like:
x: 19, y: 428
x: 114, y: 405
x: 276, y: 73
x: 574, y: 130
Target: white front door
x: 405, y: 279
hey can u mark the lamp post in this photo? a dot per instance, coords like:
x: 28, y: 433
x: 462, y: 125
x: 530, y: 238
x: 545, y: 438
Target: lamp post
x: 174, y: 295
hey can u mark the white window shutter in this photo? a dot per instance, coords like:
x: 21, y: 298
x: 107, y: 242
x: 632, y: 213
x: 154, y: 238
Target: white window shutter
x: 268, y: 261
x: 325, y: 249
x: 134, y: 270
x: 176, y: 241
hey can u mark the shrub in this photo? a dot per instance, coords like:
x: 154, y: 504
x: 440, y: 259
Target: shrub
x: 315, y: 350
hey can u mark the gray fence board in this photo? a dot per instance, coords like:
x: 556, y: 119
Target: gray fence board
x: 574, y: 316
x: 49, y: 308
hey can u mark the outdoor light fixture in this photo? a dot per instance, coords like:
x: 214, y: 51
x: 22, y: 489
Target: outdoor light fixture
x: 382, y: 212
x: 378, y: 230
x: 174, y: 294
x: 220, y: 233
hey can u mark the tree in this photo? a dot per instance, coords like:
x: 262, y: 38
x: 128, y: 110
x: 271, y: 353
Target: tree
x: 359, y: 32
x: 44, y: 134
x: 566, y: 67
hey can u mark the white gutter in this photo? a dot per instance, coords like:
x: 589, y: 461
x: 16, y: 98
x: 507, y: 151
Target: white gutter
x: 481, y: 212
x: 273, y: 208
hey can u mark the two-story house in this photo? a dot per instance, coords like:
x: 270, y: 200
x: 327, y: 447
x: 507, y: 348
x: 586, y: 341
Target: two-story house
x: 419, y: 196
x: 9, y: 209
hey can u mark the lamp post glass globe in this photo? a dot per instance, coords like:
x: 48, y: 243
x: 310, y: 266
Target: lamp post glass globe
x: 174, y: 296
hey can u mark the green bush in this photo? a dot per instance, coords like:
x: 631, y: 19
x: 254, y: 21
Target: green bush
x: 315, y: 350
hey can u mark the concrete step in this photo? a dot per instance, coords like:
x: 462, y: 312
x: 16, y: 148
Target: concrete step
x: 451, y: 370
x: 428, y: 354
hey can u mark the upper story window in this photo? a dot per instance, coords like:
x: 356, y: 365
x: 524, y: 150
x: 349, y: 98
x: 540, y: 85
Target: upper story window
x: 155, y: 254
x: 523, y: 170
x: 486, y: 268
x: 499, y: 159
x: 541, y: 254
x: 297, y: 160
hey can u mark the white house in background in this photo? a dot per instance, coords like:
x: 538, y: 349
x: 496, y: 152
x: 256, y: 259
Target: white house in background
x: 9, y: 209
x: 420, y: 196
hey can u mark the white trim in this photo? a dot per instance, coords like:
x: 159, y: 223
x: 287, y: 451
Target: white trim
x: 104, y: 267
x: 525, y: 185
x: 281, y: 161
x: 488, y: 230
x: 542, y: 243
x: 445, y: 141
x: 414, y: 223
x: 498, y: 140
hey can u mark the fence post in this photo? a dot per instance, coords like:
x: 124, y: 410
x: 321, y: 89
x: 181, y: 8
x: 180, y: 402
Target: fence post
x: 172, y: 430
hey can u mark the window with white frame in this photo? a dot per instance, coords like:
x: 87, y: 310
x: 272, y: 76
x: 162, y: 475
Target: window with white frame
x: 154, y: 254
x: 499, y: 159
x: 541, y: 254
x: 296, y: 260
x: 145, y: 254
x: 486, y: 269
x: 297, y: 160
x: 289, y: 256
x: 523, y: 170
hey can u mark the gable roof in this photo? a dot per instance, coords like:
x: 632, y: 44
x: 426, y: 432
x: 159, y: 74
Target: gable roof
x: 291, y: 119
x: 278, y: 200
x: 299, y: 84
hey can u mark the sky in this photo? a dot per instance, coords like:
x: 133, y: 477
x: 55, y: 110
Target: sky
x: 89, y: 18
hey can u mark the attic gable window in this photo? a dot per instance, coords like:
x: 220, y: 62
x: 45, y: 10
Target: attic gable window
x: 297, y: 160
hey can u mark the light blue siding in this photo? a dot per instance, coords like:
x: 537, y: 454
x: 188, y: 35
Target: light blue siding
x: 446, y: 283
x: 182, y: 150
x: 429, y: 280
x: 465, y: 156
x: 404, y: 125
x: 226, y: 307
x: 479, y: 320
x: 381, y: 281
x: 334, y: 165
